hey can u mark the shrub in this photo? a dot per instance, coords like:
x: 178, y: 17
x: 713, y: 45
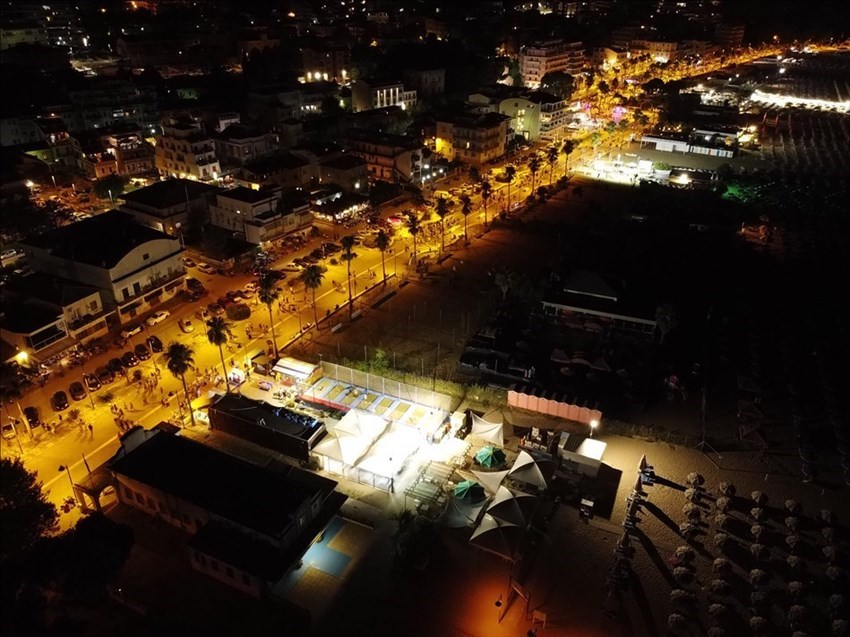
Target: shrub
x: 238, y: 312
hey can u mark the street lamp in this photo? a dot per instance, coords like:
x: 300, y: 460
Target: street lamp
x: 67, y: 469
x: 593, y: 425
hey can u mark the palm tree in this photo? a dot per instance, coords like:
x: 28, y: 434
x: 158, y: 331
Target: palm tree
x: 348, y: 256
x: 533, y: 167
x: 474, y: 174
x: 179, y: 359
x: 567, y: 150
x: 414, y: 227
x: 268, y: 293
x: 382, y: 242
x: 486, y: 193
x: 218, y: 333
x: 465, y: 209
x: 312, y: 278
x: 442, y: 210
x: 551, y: 159
x: 510, y: 175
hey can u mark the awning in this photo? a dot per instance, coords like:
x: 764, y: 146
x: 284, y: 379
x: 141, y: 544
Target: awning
x: 294, y: 368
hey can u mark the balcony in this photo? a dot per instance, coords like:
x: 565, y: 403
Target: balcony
x: 80, y: 322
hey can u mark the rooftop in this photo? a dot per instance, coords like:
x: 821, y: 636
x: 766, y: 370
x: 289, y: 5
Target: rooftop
x: 248, y: 195
x: 240, y: 131
x: 27, y: 317
x: 169, y: 193
x: 344, y: 162
x: 50, y: 289
x: 278, y: 419
x: 254, y: 497
x: 279, y: 161
x: 100, y: 241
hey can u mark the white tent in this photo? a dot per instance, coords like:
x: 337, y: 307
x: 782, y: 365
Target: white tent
x: 489, y: 430
x: 526, y: 470
x: 361, y: 424
x: 388, y: 455
x: 497, y: 537
x: 345, y: 448
x: 490, y: 480
x: 512, y: 506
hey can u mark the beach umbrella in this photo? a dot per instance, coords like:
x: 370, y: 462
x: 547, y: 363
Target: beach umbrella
x: 793, y: 507
x: 683, y: 574
x: 757, y: 576
x: 721, y: 540
x: 836, y: 601
x: 827, y: 517
x: 691, y: 494
x: 839, y: 627
x: 759, y: 598
x: 757, y: 530
x: 792, y: 522
x: 758, y: 551
x: 799, y: 633
x: 757, y: 513
x: 716, y: 631
x: 688, y: 530
x: 830, y: 553
x: 723, y: 503
x: 796, y: 563
x: 722, y: 520
x: 758, y: 497
x: 718, y: 586
x: 490, y: 457
x: 833, y: 573
x: 685, y: 553
x: 793, y: 541
x: 677, y: 595
x: 469, y: 490
x: 676, y: 622
x: 721, y: 565
x: 695, y: 479
x: 795, y: 588
x: 828, y: 533
x: 796, y: 614
x: 758, y: 624
x: 717, y: 611
x: 727, y: 489
x: 692, y: 511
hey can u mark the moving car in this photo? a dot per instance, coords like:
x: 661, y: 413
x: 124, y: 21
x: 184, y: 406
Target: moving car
x: 142, y: 352
x: 206, y: 268
x: 77, y: 391
x: 59, y: 401
x: 129, y: 359
x: 92, y: 382
x: 186, y: 326
x: 31, y: 414
x: 155, y: 344
x: 157, y: 317
x: 187, y: 262
x: 115, y: 365
x: 105, y: 375
x: 127, y: 332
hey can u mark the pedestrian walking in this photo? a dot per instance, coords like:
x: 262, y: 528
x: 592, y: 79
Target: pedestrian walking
x: 91, y: 429
x: 132, y: 408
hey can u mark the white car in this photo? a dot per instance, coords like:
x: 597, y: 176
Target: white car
x: 127, y: 332
x: 290, y: 267
x: 253, y: 286
x: 248, y: 293
x: 157, y: 317
x: 206, y: 268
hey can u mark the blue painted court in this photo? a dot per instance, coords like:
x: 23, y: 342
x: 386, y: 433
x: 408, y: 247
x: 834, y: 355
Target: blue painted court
x: 319, y: 556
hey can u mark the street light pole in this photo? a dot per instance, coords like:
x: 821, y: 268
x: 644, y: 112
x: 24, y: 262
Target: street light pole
x: 67, y: 469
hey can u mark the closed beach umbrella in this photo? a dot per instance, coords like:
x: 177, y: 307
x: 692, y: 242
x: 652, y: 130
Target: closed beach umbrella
x: 469, y: 490
x: 490, y: 457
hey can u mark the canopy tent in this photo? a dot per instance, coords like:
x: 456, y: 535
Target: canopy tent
x: 526, y: 469
x: 468, y: 490
x: 497, y: 537
x: 490, y: 457
x: 294, y: 370
x: 344, y: 448
x: 512, y: 506
x: 489, y: 430
x: 460, y: 513
x: 491, y: 480
x: 361, y: 424
x: 388, y: 455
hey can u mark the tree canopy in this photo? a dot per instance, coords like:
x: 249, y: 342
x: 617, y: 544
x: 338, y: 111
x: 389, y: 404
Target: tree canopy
x: 558, y: 83
x: 26, y: 514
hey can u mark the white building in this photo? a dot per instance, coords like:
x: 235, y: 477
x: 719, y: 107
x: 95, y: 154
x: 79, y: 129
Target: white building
x: 366, y: 95
x: 260, y: 215
x: 135, y: 268
x: 537, y: 60
x: 185, y: 151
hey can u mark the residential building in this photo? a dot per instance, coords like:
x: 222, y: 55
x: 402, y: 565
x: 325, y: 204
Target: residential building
x: 44, y: 315
x: 349, y: 171
x: 107, y: 103
x: 473, y: 138
x: 396, y: 158
x: 93, y: 158
x: 169, y: 206
x: 258, y: 216
x: 621, y: 37
x: 239, y: 144
x: 729, y: 36
x: 135, y: 268
x: 283, y: 168
x: 54, y: 145
x: 184, y: 150
x: 536, y: 60
x: 14, y: 33
x: 369, y: 94
x: 250, y: 524
x: 254, y: 39
x: 536, y: 115
x: 133, y: 153
x: 426, y: 82
x: 657, y: 50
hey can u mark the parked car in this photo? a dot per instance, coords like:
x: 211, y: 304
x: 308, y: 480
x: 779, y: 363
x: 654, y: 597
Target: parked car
x: 142, y: 352
x: 203, y: 315
x: 289, y: 267
x: 105, y: 375
x: 31, y: 414
x: 155, y: 344
x: 8, y: 431
x: 253, y: 286
x: 248, y: 293
x: 115, y: 365
x: 157, y: 317
x: 331, y: 248
x: 206, y: 268
x: 187, y: 262
x: 59, y: 401
x: 194, y: 284
x: 186, y: 326
x: 317, y: 254
x: 129, y: 359
x: 127, y: 332
x: 92, y: 382
x: 77, y: 390
x: 234, y: 295
x: 215, y: 309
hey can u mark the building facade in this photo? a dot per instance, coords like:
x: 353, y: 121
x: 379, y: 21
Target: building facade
x: 367, y: 94
x: 475, y: 139
x: 185, y: 151
x: 395, y: 158
x: 536, y: 60
x: 426, y: 82
x: 238, y: 145
x: 168, y: 206
x: 261, y: 215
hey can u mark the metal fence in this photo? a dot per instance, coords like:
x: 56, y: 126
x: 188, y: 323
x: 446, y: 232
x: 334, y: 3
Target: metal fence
x: 387, y: 386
